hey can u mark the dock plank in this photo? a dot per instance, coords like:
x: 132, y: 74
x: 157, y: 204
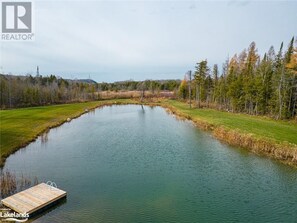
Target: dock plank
x: 34, y: 198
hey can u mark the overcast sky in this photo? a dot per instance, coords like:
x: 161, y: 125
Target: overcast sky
x: 120, y: 40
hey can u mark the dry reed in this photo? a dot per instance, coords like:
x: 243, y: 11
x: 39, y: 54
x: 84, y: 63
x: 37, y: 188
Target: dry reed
x: 11, y: 184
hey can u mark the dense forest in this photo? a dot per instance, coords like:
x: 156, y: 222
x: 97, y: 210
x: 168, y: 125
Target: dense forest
x: 249, y: 83
x: 25, y: 91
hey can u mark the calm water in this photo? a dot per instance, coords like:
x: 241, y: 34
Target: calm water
x: 123, y: 164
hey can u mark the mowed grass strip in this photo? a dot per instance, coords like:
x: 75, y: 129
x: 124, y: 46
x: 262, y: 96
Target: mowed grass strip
x: 20, y: 126
x: 261, y: 127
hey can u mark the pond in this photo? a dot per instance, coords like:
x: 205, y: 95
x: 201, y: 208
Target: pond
x: 133, y: 164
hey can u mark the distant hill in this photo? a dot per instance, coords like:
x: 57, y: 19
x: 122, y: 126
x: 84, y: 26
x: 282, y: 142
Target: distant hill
x: 159, y: 81
x: 23, y: 77
x: 87, y: 81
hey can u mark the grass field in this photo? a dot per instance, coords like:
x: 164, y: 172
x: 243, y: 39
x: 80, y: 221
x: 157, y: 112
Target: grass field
x: 18, y: 127
x: 262, y: 127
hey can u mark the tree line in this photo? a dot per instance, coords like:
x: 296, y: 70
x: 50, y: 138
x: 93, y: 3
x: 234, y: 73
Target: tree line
x: 249, y: 83
x: 26, y: 91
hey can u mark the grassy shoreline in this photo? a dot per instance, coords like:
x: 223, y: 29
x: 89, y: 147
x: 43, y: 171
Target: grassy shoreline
x: 261, y: 135
x: 19, y: 127
x: 277, y: 139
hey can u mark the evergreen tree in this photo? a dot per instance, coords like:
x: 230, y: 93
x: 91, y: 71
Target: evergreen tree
x: 250, y: 84
x: 199, y: 77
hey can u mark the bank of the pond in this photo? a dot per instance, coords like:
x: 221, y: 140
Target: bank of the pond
x: 261, y: 135
x: 19, y: 127
x: 277, y: 139
x: 133, y: 164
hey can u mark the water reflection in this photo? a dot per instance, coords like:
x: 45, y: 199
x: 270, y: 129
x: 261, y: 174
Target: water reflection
x: 142, y: 109
x: 92, y: 112
x: 36, y: 217
x: 44, y: 137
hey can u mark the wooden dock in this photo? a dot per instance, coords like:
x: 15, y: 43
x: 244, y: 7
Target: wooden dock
x: 34, y: 198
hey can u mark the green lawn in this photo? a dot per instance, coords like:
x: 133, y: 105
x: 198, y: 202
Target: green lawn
x: 281, y: 131
x: 18, y: 126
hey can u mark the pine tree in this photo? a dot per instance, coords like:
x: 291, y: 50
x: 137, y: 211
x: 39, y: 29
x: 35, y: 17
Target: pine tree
x: 215, y: 73
x: 199, y: 77
x: 249, y: 84
x: 290, y: 51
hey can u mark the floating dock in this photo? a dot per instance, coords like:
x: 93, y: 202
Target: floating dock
x: 34, y: 198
